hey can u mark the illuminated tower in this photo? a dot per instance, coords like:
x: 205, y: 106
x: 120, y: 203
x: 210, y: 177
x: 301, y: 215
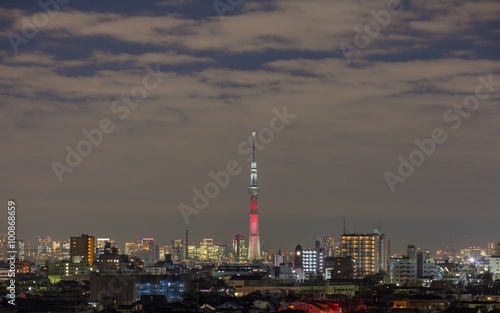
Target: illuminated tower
x: 253, y: 191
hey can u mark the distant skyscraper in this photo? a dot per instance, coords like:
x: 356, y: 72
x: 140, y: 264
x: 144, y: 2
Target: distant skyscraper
x: 147, y: 252
x: 328, y: 245
x: 101, y: 244
x: 131, y: 248
x: 238, y: 242
x: 278, y: 259
x: 253, y: 191
x: 43, y: 249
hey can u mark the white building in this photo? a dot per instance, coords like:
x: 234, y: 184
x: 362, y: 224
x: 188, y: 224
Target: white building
x: 495, y: 266
x: 155, y: 270
x: 410, y: 270
x: 278, y: 260
x: 312, y: 262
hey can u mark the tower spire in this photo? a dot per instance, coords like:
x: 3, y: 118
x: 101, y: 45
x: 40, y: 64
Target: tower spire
x: 253, y: 137
x: 186, y: 246
x: 253, y: 166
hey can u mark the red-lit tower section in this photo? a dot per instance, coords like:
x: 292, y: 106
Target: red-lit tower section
x: 253, y: 191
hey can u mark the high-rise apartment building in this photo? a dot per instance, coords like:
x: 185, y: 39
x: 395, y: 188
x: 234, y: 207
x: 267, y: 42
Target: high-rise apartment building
x: 369, y: 250
x: 82, y: 249
x: 312, y: 261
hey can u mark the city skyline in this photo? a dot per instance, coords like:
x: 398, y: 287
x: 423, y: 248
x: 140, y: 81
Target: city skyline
x: 113, y: 117
x: 305, y: 243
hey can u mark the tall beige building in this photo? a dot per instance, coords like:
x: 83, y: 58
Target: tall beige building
x: 369, y: 250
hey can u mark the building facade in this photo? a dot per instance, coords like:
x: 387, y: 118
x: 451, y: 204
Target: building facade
x: 369, y: 250
x: 313, y: 262
x: 495, y: 266
x: 82, y: 249
x: 339, y: 268
x: 413, y: 269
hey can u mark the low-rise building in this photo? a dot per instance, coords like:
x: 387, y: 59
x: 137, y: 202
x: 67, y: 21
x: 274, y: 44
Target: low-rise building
x: 413, y: 269
x: 244, y: 285
x: 23, y: 267
x: 70, y: 268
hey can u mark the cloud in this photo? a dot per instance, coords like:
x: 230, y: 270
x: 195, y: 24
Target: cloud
x: 169, y: 57
x: 312, y: 25
x: 353, y: 120
x: 451, y: 16
x: 36, y: 57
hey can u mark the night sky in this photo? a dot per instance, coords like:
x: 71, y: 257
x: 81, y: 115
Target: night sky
x: 223, y: 69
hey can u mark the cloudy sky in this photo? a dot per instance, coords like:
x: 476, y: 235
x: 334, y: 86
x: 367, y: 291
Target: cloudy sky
x: 363, y: 80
